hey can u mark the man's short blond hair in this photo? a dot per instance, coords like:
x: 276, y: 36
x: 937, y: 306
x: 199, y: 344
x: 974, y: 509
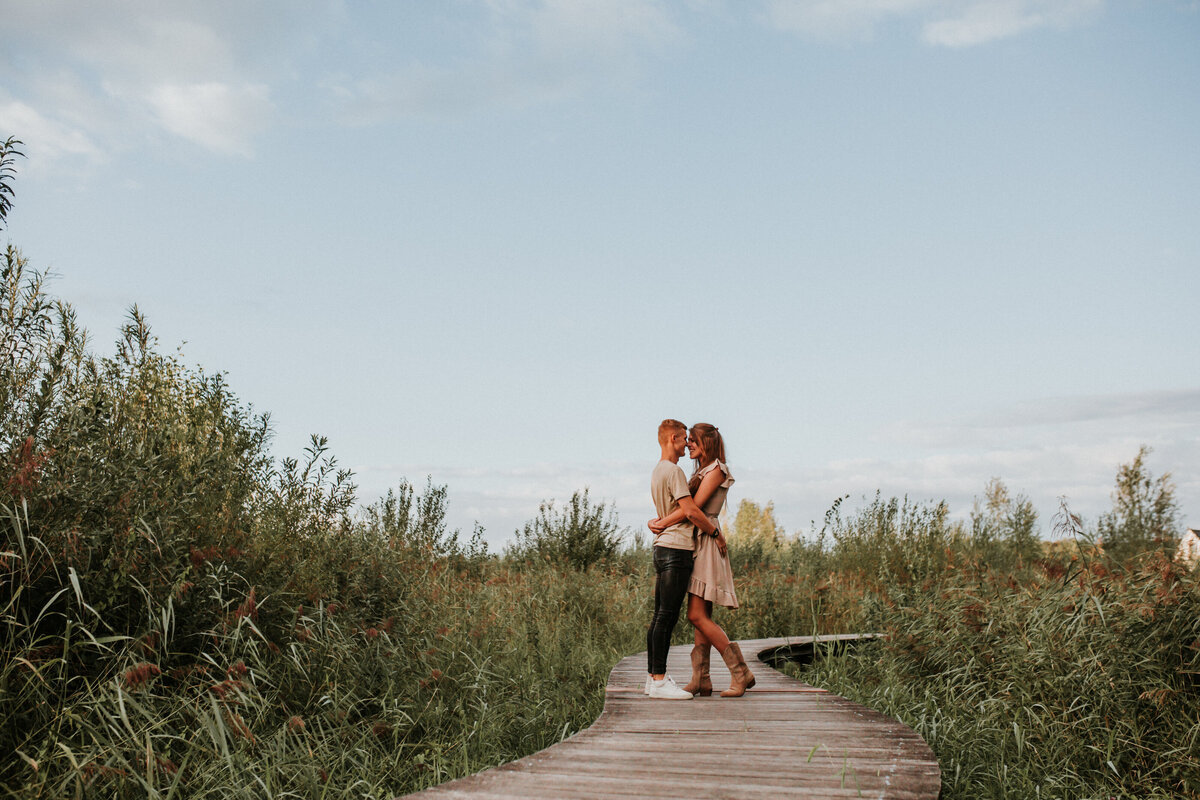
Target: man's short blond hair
x: 668, y: 427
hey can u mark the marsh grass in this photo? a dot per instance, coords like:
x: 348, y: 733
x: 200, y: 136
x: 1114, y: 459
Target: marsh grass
x: 1067, y: 678
x: 328, y: 699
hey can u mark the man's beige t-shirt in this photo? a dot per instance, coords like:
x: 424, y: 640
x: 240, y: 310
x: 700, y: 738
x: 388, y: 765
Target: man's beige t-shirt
x: 667, y: 485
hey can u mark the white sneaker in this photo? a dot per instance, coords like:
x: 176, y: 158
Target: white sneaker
x: 649, y: 683
x: 667, y: 689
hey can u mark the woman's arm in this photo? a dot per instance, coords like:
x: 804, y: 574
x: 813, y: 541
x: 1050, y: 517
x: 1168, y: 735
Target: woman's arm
x: 704, y: 491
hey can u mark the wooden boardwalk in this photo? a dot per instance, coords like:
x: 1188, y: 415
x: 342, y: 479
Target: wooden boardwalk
x: 784, y: 738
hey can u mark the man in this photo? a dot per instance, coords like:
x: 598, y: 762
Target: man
x: 672, y: 556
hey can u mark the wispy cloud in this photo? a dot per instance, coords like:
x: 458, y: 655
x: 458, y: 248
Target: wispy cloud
x: 1182, y: 405
x: 217, y: 116
x: 945, y: 23
x: 104, y: 77
x: 523, y: 53
x: 1051, y: 421
x: 984, y: 22
x: 112, y: 75
x: 1048, y: 448
x: 45, y: 138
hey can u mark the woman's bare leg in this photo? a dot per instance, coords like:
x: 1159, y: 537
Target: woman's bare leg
x: 700, y: 615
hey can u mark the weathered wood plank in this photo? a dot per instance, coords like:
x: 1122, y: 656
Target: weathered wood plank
x: 782, y: 739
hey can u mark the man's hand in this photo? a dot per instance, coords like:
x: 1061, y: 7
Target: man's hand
x: 721, y: 543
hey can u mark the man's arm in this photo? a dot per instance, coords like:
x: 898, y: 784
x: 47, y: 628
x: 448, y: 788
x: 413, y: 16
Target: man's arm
x: 695, y: 516
x: 707, y: 486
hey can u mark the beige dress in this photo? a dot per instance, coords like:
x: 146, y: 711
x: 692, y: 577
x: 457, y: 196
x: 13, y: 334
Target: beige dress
x: 712, y: 577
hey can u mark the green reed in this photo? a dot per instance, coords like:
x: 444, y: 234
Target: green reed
x: 1069, y: 678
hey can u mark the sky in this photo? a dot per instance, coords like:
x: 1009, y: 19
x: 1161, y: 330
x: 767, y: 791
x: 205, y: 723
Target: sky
x: 902, y: 246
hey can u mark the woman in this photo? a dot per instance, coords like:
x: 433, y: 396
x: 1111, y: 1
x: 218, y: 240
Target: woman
x: 712, y: 577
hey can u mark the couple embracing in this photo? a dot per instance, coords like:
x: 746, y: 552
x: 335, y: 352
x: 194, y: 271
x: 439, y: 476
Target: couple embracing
x: 691, y: 559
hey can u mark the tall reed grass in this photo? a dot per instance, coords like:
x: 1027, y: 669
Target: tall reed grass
x: 1068, y: 677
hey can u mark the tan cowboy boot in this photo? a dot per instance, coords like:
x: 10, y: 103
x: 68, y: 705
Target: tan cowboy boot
x: 741, y: 676
x: 700, y: 683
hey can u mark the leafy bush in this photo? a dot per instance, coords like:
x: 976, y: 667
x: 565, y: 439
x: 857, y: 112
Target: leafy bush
x: 1144, y: 517
x: 580, y: 535
x: 1003, y: 529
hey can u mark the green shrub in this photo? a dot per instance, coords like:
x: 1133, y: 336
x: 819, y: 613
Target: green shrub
x: 1144, y: 516
x: 1003, y: 529
x: 580, y: 535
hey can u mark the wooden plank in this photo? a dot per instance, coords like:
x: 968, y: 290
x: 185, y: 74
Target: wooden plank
x: 782, y: 739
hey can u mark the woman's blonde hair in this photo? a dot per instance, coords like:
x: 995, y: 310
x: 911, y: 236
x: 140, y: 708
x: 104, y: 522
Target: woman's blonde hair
x: 712, y: 447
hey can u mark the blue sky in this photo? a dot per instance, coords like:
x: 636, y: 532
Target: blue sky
x: 905, y: 245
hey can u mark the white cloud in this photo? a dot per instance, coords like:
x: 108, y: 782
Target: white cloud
x: 45, y: 139
x: 120, y: 74
x: 216, y: 116
x: 982, y: 22
x: 946, y: 23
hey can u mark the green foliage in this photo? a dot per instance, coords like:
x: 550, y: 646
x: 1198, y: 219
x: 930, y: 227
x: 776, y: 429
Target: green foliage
x: 41, y: 349
x: 8, y: 154
x: 359, y: 697
x: 580, y: 535
x: 418, y: 522
x: 754, y: 536
x: 755, y: 525
x: 1060, y: 682
x: 895, y: 540
x: 132, y: 463
x: 1003, y: 529
x: 1145, y: 515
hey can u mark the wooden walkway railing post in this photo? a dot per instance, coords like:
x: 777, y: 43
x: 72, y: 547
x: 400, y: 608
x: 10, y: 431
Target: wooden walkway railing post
x: 782, y: 739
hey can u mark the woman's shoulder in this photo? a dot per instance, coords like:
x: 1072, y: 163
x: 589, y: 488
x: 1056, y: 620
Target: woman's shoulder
x: 723, y: 467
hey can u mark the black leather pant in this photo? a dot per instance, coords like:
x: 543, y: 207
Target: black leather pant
x: 673, y: 570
